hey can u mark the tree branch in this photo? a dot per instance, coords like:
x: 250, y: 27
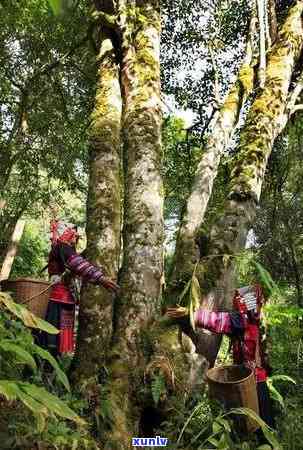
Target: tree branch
x: 273, y: 27
x: 296, y: 108
x: 262, y: 42
x: 46, y: 68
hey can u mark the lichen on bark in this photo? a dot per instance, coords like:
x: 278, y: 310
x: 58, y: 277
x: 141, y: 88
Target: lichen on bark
x: 142, y: 268
x: 265, y: 121
x: 103, y: 215
x: 265, y: 117
x: 221, y: 128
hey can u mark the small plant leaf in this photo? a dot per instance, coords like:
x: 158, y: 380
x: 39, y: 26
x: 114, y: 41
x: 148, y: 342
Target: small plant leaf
x: 282, y: 378
x: 195, y: 297
x: 59, y: 372
x: 213, y: 441
x: 266, y: 277
x: 217, y: 428
x: 158, y: 387
x: 29, y: 319
x: 275, y: 394
x: 22, y: 355
x: 56, y: 6
x: 184, y: 292
x: 268, y: 433
x: 225, y: 424
x: 51, y: 402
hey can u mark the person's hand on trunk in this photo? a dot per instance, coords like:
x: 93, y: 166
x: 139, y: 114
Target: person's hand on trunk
x: 110, y: 285
x: 178, y: 312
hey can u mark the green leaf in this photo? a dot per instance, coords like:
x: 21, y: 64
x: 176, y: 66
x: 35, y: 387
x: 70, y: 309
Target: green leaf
x: 248, y: 413
x: 39, y: 401
x: 184, y: 292
x: 9, y: 390
x: 56, y: 6
x: 48, y: 357
x: 282, y: 378
x: 270, y: 436
x: 202, y: 431
x: 264, y: 447
x: 19, y: 351
x: 35, y: 406
x: 41, y: 422
x: 217, y: 428
x: 213, y: 441
x: 225, y: 424
x: 195, y: 297
x: 29, y: 319
x: 268, y: 433
x: 224, y: 442
x: 195, y: 410
x: 158, y: 388
x: 275, y: 394
x: 266, y: 277
x: 53, y: 403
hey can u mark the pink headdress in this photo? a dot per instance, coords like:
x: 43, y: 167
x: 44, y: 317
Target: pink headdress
x: 63, y: 232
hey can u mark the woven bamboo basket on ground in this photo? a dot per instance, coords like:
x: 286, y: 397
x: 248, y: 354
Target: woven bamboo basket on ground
x: 235, y: 386
x: 30, y: 292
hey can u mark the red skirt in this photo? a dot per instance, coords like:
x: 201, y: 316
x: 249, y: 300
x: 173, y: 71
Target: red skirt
x: 66, y: 337
x: 61, y: 316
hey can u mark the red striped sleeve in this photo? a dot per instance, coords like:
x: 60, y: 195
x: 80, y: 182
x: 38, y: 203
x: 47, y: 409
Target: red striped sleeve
x: 84, y: 269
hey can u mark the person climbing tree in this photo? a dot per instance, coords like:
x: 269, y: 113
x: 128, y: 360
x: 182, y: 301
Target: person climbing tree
x: 243, y: 325
x: 64, y: 265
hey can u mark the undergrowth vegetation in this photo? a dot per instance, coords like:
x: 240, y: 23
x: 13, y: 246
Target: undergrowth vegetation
x: 195, y: 423
x: 36, y: 405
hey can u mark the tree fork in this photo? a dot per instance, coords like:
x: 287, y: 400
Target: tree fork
x: 141, y: 274
x: 221, y: 128
x: 265, y: 121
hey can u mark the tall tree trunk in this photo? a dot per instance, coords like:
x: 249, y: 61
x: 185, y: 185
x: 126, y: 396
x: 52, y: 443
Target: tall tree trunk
x: 143, y: 218
x: 262, y: 11
x: 272, y: 18
x: 221, y: 128
x: 103, y: 215
x: 265, y: 121
x: 12, y: 250
x: 8, y: 223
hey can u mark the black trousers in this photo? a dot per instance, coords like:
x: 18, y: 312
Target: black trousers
x: 265, y: 404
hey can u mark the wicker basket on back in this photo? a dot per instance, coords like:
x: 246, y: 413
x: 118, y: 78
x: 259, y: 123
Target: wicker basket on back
x: 30, y: 292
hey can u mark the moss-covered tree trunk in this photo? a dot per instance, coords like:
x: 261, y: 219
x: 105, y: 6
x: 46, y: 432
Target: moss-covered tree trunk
x: 103, y: 214
x: 266, y: 119
x: 221, y: 128
x: 142, y: 269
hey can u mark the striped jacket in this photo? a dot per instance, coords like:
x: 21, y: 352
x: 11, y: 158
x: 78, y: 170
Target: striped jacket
x: 246, y: 340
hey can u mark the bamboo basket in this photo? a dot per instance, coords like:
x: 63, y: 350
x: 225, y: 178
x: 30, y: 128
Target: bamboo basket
x: 30, y: 292
x: 235, y: 386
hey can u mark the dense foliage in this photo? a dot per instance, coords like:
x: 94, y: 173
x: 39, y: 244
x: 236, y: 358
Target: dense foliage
x: 46, y: 78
